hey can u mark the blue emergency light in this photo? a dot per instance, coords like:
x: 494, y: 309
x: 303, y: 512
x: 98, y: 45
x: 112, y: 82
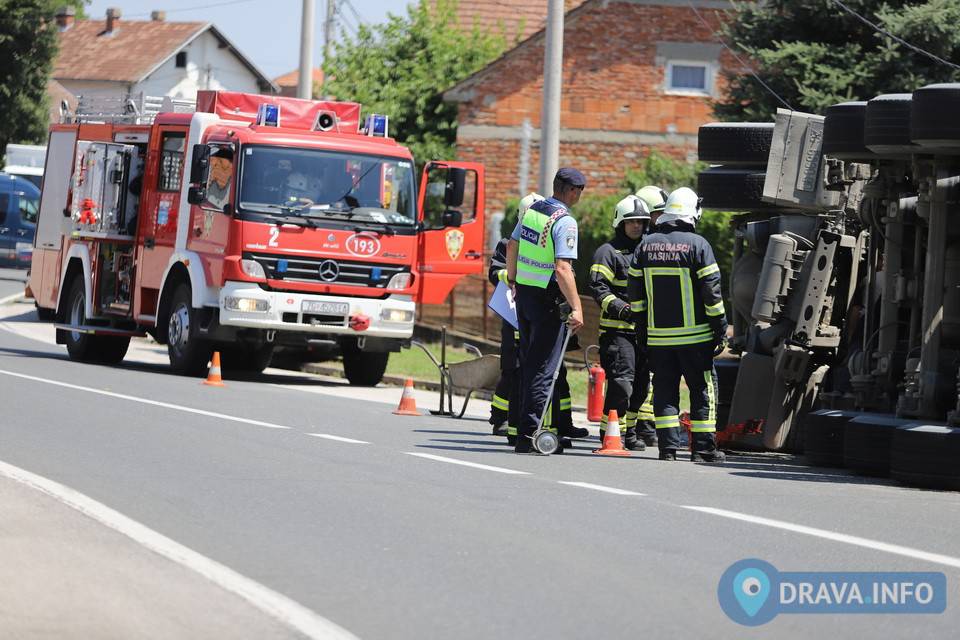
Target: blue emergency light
x: 377, y: 125
x: 268, y: 115
x: 282, y: 265
x: 376, y: 274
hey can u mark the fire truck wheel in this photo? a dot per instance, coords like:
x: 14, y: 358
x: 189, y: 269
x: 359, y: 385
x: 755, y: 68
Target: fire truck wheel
x: 925, y: 455
x: 188, y: 354
x: 80, y: 346
x: 843, y: 132
x: 735, y: 142
x: 363, y: 368
x: 246, y: 358
x: 111, y: 349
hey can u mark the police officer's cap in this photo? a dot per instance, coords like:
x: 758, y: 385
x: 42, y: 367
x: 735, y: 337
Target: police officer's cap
x: 571, y: 176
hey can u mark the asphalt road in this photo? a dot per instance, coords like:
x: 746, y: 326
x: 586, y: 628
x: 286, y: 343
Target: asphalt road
x: 11, y: 282
x: 376, y: 523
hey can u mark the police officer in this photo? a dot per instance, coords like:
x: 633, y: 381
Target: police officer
x: 505, y: 406
x: 674, y: 287
x: 540, y: 258
x: 619, y: 356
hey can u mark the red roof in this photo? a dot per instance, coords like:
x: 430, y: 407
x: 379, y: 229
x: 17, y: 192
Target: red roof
x: 520, y: 18
x: 134, y: 48
x: 292, y: 79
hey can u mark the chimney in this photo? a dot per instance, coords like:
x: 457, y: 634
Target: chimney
x: 65, y: 17
x: 113, y: 20
x: 158, y: 16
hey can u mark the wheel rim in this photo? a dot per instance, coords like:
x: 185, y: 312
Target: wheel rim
x: 179, y: 329
x: 77, y: 316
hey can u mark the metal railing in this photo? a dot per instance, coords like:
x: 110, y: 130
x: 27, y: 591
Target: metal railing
x: 128, y: 109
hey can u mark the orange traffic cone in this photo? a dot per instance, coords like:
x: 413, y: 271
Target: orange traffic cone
x: 408, y: 404
x: 612, y: 445
x: 214, y: 378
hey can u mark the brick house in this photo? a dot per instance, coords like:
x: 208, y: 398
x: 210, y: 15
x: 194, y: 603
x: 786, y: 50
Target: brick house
x: 289, y: 82
x: 637, y: 75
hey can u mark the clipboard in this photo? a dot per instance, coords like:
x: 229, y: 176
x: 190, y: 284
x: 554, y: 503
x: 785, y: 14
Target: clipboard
x: 503, y: 304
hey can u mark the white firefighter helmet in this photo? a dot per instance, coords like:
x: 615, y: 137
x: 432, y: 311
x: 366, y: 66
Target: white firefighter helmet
x: 682, y: 204
x: 526, y: 201
x: 654, y: 196
x: 631, y: 208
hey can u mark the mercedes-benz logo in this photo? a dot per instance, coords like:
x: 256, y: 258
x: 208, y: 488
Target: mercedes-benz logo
x: 329, y: 270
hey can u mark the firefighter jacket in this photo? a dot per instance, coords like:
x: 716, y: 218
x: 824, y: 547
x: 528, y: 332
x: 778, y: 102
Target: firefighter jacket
x: 608, y: 283
x: 498, y: 263
x: 674, y: 287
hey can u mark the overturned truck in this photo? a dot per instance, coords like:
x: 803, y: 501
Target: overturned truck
x: 845, y: 286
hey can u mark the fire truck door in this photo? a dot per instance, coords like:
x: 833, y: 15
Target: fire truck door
x: 451, y: 209
x: 159, y: 208
x: 52, y: 225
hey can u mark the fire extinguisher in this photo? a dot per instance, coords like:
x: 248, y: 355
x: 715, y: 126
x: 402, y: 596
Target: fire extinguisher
x: 595, y: 382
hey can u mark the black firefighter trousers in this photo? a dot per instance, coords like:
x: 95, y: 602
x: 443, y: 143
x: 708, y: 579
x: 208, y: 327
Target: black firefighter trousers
x: 694, y: 363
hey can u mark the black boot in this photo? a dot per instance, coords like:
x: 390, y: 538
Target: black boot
x: 668, y: 454
x: 512, y: 440
x: 647, y: 432
x: 705, y: 449
x: 632, y: 442
x: 575, y: 432
x: 716, y: 456
x: 500, y: 429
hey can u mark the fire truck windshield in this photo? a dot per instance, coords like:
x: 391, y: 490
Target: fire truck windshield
x: 312, y: 183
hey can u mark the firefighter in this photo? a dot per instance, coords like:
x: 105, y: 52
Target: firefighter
x: 625, y: 366
x: 674, y: 287
x: 540, y: 259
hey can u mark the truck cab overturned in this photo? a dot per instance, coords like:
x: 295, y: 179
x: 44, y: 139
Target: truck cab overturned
x: 248, y: 223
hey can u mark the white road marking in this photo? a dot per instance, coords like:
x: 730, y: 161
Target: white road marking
x: 155, y: 403
x: 278, y: 606
x: 10, y: 298
x: 327, y: 436
x: 467, y: 464
x: 600, y: 487
x: 876, y: 545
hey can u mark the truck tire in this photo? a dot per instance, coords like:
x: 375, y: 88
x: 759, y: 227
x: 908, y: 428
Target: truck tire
x: 823, y: 432
x: 246, y: 358
x: 188, y: 353
x: 925, y: 455
x: 363, y: 368
x: 933, y: 122
x: 886, y: 129
x: 866, y: 443
x: 735, y: 142
x: 80, y: 346
x: 111, y: 349
x: 843, y: 132
x: 730, y: 189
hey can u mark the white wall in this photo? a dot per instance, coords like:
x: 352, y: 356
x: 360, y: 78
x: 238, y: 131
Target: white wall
x: 208, y: 67
x: 95, y: 87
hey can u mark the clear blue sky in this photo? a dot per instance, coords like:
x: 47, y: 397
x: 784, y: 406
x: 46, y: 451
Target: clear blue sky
x: 266, y: 31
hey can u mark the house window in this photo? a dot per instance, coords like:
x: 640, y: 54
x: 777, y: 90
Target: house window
x: 182, y: 60
x: 692, y: 78
x: 171, y: 161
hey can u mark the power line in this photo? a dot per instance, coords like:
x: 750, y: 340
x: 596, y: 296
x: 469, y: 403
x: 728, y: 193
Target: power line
x: 204, y: 6
x: 356, y: 14
x: 880, y: 29
x: 738, y: 58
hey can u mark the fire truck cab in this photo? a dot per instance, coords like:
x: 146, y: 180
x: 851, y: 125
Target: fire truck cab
x: 246, y: 223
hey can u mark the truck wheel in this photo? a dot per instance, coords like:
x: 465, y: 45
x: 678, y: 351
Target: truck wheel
x: 735, y: 142
x: 246, y: 358
x: 843, y: 132
x: 111, y: 349
x: 188, y: 354
x: 934, y: 121
x: 925, y: 455
x: 866, y: 443
x: 80, y: 346
x: 363, y: 368
x: 886, y: 129
x: 823, y: 436
x: 728, y: 189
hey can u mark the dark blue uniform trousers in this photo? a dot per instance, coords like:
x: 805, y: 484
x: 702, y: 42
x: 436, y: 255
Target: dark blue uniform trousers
x: 694, y: 363
x: 541, y: 342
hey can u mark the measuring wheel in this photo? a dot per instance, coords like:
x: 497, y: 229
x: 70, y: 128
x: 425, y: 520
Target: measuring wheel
x: 546, y: 442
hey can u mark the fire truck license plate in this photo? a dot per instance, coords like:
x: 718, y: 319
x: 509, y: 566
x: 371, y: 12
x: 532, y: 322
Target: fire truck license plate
x: 328, y: 308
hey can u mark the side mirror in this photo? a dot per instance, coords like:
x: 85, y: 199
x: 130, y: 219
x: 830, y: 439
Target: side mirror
x: 451, y: 218
x: 200, y: 166
x: 456, y: 181
x: 196, y: 195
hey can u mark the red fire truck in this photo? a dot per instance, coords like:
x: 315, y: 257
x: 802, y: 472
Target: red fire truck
x: 246, y: 223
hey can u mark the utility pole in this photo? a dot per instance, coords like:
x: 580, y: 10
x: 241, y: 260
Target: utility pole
x: 552, y: 78
x: 305, y: 83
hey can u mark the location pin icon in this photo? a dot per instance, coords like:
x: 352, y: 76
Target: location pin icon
x: 751, y: 587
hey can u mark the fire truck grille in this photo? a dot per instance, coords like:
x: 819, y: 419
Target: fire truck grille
x: 326, y: 271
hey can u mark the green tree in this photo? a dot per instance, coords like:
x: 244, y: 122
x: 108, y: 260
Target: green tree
x: 402, y: 67
x: 814, y: 54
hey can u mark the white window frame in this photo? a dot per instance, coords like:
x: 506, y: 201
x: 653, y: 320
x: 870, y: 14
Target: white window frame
x: 708, y: 77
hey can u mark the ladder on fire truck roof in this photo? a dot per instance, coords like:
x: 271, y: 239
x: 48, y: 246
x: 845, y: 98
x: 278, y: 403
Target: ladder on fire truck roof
x: 129, y: 109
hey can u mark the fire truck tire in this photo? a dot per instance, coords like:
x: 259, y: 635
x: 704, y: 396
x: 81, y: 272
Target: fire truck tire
x: 934, y: 116
x: 866, y: 443
x: 727, y: 189
x: 925, y: 455
x: 111, y: 349
x: 735, y: 142
x: 363, y: 368
x: 843, y: 132
x: 188, y: 353
x: 823, y: 436
x: 80, y: 346
x: 246, y: 358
